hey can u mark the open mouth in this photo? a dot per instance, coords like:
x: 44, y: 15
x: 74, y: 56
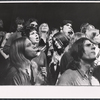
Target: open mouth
x: 37, y: 39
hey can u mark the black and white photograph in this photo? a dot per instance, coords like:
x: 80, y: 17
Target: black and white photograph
x: 49, y: 49
x: 50, y: 44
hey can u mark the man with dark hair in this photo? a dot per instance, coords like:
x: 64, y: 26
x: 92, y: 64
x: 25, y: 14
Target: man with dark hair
x: 32, y: 23
x: 80, y: 68
x: 66, y: 28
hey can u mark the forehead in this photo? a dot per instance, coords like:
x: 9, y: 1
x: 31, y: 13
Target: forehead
x: 34, y: 22
x: 34, y: 31
x: 44, y: 24
x: 87, y: 42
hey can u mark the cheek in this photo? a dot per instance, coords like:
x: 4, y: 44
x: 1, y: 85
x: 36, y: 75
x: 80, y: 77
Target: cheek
x: 27, y: 52
x: 32, y: 38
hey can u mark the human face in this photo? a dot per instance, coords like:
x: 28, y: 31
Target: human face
x: 91, y: 32
x: 19, y: 27
x: 34, y: 24
x: 34, y: 37
x: 45, y: 27
x: 30, y: 51
x: 89, y: 50
x: 67, y: 29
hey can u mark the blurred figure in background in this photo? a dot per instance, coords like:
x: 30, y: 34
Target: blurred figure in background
x: 66, y: 28
x: 50, y: 49
x: 66, y: 57
x: 40, y: 57
x: 32, y: 24
x: 44, y: 34
x: 15, y: 35
x: 60, y: 41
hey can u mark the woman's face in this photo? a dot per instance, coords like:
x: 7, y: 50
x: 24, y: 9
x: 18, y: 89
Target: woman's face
x: 34, y: 37
x: 30, y: 51
x: 89, y: 50
x: 45, y: 27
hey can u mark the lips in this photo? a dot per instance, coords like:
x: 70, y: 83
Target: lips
x: 37, y: 39
x: 93, y: 52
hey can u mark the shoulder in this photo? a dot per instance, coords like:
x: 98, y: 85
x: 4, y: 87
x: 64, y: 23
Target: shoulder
x: 12, y: 73
x: 67, y: 77
x: 94, y: 81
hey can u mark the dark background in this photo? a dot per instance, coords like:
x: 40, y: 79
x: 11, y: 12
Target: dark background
x: 52, y: 13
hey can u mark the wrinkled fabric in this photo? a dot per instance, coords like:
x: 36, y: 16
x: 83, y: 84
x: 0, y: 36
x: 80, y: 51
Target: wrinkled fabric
x: 74, y: 78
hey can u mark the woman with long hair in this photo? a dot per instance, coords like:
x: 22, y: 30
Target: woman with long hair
x: 22, y: 70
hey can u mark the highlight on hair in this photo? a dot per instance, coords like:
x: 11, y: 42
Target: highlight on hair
x: 62, y: 40
x: 17, y: 58
x: 77, y: 48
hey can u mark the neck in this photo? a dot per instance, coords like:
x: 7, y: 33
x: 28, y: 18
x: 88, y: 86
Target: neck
x: 35, y: 44
x: 85, y: 65
x: 44, y: 38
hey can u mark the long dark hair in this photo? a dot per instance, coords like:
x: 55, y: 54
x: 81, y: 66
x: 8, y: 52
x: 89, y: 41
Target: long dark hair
x: 76, y: 51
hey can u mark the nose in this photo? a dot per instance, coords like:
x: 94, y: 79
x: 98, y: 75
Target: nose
x: 93, y: 46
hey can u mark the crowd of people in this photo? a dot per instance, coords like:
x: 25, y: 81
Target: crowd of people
x: 34, y: 54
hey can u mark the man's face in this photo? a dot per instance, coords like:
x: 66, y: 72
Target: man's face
x: 89, y: 50
x: 19, y: 27
x: 67, y: 29
x: 34, y: 25
x: 89, y: 31
x: 34, y: 37
x: 93, y: 34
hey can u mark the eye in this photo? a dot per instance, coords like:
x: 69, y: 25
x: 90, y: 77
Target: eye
x: 88, y: 45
